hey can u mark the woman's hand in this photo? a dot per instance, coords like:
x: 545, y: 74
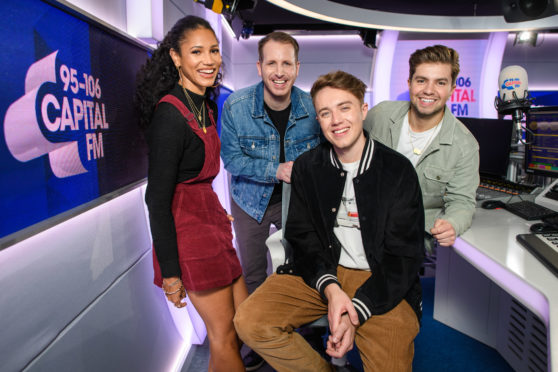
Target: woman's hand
x: 174, y: 290
x: 230, y: 217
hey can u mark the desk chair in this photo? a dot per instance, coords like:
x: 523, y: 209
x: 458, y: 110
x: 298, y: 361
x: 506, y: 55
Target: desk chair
x: 276, y: 249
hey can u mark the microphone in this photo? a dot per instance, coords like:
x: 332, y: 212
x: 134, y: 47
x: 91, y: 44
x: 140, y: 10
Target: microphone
x: 514, y: 96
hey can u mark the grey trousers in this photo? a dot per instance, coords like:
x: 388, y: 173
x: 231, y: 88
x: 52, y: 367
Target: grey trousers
x: 250, y: 238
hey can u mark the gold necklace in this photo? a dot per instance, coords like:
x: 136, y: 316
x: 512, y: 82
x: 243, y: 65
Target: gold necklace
x: 200, y: 114
x: 416, y: 150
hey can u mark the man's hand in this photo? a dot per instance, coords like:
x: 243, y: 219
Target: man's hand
x: 343, y: 320
x: 443, y: 232
x: 284, y: 171
x: 338, y: 304
x: 342, y: 340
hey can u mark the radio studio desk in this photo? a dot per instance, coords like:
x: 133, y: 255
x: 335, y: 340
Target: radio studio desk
x: 491, y: 288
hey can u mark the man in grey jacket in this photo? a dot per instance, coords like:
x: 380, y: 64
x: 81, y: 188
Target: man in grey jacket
x: 445, y: 154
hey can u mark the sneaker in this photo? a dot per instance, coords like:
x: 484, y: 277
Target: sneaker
x: 252, y: 361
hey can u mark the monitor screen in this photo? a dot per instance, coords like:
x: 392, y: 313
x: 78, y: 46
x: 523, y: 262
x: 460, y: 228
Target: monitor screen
x: 69, y: 132
x: 494, y: 138
x: 541, y: 152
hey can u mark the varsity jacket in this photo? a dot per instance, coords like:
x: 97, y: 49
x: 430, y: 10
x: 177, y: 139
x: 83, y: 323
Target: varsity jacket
x: 391, y: 216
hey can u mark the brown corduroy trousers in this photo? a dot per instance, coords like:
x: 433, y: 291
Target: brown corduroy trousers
x: 267, y: 320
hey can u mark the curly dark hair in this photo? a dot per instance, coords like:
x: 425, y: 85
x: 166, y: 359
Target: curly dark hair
x: 159, y: 75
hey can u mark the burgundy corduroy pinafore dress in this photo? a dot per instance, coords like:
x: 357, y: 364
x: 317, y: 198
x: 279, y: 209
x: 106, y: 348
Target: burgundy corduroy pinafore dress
x: 203, y: 231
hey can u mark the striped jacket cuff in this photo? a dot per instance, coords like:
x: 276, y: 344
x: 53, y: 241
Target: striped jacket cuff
x: 362, y: 310
x: 324, y: 281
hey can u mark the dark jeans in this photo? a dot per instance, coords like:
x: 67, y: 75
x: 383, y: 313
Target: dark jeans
x: 250, y: 238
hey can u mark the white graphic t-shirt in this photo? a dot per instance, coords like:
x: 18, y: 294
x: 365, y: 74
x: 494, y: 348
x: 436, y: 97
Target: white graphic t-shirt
x: 412, y: 144
x: 347, y: 228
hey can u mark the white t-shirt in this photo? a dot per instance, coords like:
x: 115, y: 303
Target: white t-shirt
x: 347, y: 228
x: 409, y: 140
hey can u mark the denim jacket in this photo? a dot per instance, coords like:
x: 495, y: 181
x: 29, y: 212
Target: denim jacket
x: 250, y: 144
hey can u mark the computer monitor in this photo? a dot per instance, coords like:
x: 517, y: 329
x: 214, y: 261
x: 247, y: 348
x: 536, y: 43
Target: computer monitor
x: 541, y: 152
x: 494, y: 138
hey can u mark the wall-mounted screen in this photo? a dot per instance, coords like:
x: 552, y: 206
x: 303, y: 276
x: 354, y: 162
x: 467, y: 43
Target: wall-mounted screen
x: 69, y: 132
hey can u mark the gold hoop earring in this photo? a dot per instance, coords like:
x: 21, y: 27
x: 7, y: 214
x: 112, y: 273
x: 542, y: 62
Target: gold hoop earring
x: 179, y: 74
x: 217, y: 81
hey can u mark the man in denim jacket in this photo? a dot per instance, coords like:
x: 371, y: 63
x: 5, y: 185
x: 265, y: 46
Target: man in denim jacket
x: 264, y: 128
x: 445, y: 154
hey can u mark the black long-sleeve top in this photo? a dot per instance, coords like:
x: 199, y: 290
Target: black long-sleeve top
x: 176, y: 154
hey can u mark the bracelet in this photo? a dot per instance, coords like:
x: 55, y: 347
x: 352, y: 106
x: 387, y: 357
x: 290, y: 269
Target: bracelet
x: 171, y: 293
x: 170, y: 285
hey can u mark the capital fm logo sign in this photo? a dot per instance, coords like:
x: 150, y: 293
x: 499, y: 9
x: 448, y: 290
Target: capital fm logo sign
x: 511, y: 84
x: 62, y: 110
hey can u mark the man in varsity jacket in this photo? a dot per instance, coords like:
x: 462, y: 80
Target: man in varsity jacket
x: 356, y: 225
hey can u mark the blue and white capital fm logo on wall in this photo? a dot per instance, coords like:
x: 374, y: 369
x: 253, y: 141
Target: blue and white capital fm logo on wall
x: 60, y: 115
x: 464, y: 99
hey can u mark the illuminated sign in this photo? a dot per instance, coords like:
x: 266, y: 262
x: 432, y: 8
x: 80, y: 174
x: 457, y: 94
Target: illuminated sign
x: 464, y: 100
x: 65, y: 104
x: 69, y: 132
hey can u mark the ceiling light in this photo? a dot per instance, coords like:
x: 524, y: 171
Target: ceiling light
x: 526, y: 37
x: 369, y: 38
x: 247, y: 29
x: 227, y: 6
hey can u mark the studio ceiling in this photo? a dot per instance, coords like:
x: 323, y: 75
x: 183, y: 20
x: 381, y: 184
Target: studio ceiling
x: 267, y: 17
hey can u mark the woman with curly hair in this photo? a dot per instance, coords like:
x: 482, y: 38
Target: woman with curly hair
x: 192, y: 234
